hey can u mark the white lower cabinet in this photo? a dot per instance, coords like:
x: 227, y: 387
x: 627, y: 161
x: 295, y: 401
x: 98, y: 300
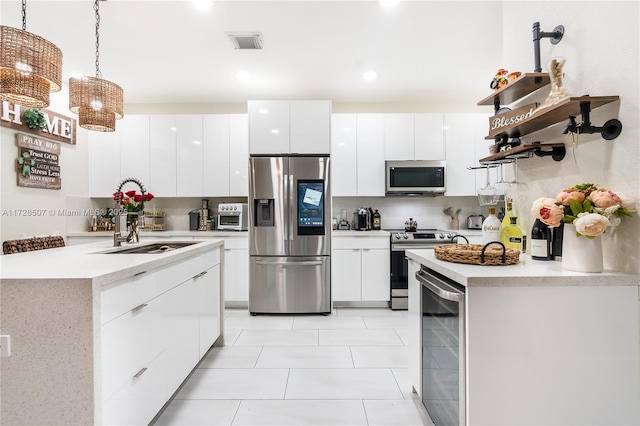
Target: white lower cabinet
x: 360, y: 269
x: 156, y: 326
x: 236, y: 272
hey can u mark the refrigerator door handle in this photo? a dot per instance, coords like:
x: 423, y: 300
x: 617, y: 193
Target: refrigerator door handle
x: 293, y: 207
x: 305, y: 263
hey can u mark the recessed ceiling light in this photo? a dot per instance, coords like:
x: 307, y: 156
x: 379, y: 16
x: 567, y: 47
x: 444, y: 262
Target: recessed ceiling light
x: 243, y: 76
x: 370, y: 75
x: 389, y: 3
x: 275, y: 131
x: 197, y: 142
x: 173, y: 128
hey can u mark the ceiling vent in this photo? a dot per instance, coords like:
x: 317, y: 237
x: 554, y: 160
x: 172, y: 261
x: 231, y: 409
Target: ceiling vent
x: 245, y: 41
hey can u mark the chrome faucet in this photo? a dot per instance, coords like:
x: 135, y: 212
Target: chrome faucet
x: 118, y: 238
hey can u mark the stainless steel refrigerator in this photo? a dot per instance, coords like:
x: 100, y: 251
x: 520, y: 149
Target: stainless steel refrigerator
x: 289, y: 235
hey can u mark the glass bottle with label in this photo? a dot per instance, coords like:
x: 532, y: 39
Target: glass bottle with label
x: 508, y: 214
x: 491, y: 227
x: 377, y: 220
x: 512, y: 236
x: 540, y: 241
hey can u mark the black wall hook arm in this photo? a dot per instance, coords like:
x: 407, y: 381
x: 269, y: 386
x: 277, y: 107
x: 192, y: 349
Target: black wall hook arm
x: 555, y: 36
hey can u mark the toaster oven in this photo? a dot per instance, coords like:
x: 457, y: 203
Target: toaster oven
x: 233, y: 217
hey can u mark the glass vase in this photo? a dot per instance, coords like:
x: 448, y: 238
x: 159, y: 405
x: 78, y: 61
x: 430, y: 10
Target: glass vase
x: 556, y: 74
x: 580, y: 253
x: 133, y: 236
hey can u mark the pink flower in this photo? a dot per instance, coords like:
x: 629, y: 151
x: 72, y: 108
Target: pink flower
x: 551, y: 214
x: 569, y: 194
x: 591, y: 224
x: 604, y: 198
x: 537, y: 204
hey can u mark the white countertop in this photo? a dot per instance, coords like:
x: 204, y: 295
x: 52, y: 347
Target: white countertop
x: 339, y: 233
x: 528, y: 272
x: 84, y: 261
x: 162, y: 234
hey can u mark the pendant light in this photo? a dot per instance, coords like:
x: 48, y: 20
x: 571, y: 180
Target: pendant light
x: 30, y: 66
x: 97, y: 102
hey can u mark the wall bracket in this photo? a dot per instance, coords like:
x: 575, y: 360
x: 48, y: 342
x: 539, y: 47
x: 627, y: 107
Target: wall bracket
x: 609, y: 131
x: 555, y: 36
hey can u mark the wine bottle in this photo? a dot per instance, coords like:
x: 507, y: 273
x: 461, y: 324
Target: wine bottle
x: 491, y: 227
x: 511, y: 235
x: 377, y: 220
x: 556, y: 242
x: 540, y: 241
x: 508, y: 214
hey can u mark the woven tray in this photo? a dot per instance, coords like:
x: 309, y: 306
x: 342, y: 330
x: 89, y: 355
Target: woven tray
x: 492, y: 254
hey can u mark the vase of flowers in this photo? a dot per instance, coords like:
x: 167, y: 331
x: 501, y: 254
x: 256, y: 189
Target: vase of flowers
x: 587, y: 211
x: 133, y: 203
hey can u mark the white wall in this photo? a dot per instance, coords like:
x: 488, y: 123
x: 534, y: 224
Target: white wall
x: 73, y: 166
x: 601, y: 45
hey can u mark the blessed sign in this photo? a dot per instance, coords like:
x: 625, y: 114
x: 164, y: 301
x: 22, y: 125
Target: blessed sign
x: 37, y: 162
x: 498, y: 122
x: 58, y: 127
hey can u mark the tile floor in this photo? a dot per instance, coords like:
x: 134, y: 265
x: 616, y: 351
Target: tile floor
x: 347, y: 368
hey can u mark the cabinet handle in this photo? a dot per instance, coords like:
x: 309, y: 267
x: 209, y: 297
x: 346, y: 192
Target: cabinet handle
x: 137, y: 308
x: 199, y: 275
x: 140, y: 373
x: 139, y: 273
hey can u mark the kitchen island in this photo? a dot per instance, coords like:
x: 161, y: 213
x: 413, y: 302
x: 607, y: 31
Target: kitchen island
x: 540, y: 345
x: 105, y: 338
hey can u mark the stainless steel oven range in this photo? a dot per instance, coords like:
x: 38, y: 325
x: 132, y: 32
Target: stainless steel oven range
x: 401, y: 241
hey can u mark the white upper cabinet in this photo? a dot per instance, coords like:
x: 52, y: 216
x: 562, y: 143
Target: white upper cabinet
x: 162, y: 155
x: 189, y: 164
x: 104, y: 163
x: 238, y: 155
x: 216, y: 163
x: 399, y: 139
x: 429, y: 136
x: 370, y: 155
x: 310, y: 127
x: 283, y: 127
x: 464, y: 132
x: 268, y: 127
x: 114, y: 156
x: 134, y: 147
x: 343, y: 155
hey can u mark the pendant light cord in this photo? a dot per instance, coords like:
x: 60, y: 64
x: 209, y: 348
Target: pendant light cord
x: 96, y: 7
x: 24, y: 15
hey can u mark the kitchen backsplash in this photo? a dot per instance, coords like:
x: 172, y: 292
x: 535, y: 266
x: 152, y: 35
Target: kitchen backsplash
x: 427, y: 211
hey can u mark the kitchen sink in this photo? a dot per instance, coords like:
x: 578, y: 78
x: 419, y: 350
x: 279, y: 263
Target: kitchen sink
x: 152, y: 248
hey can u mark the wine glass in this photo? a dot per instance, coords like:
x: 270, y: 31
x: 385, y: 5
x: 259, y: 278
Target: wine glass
x: 487, y: 195
x: 502, y: 185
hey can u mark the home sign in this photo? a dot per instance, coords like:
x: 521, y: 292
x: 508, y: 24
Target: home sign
x: 55, y: 126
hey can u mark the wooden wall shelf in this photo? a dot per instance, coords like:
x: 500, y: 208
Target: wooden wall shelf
x: 522, y: 86
x: 552, y: 115
x: 526, y: 151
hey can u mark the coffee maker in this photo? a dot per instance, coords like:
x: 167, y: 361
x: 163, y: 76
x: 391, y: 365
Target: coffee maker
x: 200, y: 219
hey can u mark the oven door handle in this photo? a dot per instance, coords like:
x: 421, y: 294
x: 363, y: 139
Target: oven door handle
x: 439, y: 287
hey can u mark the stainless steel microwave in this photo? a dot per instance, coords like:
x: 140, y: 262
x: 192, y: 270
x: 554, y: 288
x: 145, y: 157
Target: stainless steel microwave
x: 415, y: 177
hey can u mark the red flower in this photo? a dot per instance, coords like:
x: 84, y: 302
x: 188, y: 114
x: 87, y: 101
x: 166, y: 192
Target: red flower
x: 118, y: 196
x: 131, y: 193
x: 137, y: 198
x: 148, y: 196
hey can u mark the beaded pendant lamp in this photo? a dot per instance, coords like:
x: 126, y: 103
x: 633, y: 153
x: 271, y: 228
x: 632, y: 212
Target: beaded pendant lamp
x: 97, y: 102
x: 30, y: 66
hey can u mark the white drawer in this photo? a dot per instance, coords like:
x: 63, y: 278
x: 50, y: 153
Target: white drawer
x: 177, y: 274
x: 140, y: 399
x: 123, y: 295
x: 236, y: 242
x: 360, y: 242
x: 130, y: 342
